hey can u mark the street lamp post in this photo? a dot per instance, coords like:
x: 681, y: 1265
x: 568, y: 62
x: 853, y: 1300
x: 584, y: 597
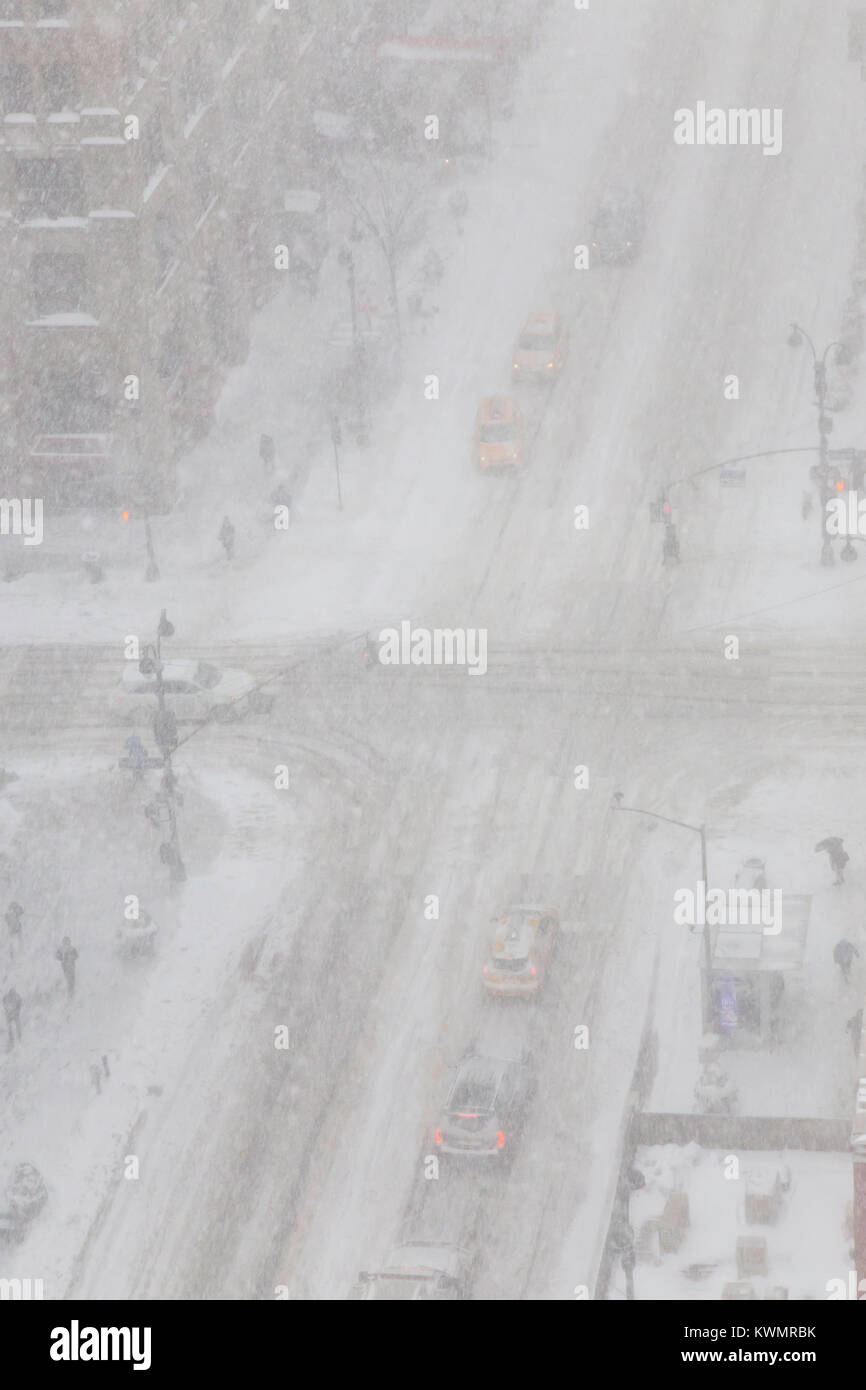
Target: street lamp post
x: 152, y: 571
x: 347, y: 259
x: 164, y: 731
x: 700, y: 830
x: 336, y: 440
x: 796, y: 337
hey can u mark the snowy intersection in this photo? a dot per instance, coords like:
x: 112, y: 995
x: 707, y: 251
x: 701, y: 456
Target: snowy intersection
x: 262, y: 1169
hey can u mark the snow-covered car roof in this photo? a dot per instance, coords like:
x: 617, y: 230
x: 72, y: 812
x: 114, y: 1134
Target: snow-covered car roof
x: 179, y: 670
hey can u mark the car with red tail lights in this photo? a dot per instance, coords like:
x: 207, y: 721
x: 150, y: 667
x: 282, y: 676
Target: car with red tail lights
x: 540, y: 349
x: 485, y: 1111
x: 520, y: 953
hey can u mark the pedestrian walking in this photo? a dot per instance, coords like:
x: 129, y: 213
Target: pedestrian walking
x: 12, y: 1009
x: 671, y: 545
x: 267, y: 452
x: 67, y: 955
x: 838, y: 860
x: 227, y: 538
x: 855, y: 1027
x: 832, y: 847
x: 281, y: 497
x: 843, y: 954
x: 13, y: 916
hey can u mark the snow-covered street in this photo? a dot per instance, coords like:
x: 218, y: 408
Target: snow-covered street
x: 252, y: 1110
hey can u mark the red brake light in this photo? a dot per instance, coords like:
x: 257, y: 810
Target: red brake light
x: 438, y: 1136
x: 500, y: 1139
x: 532, y: 970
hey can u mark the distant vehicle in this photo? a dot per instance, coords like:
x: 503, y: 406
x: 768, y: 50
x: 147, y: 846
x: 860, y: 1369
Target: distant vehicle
x: 520, y: 954
x: 618, y: 229
x: 540, y: 350
x: 486, y: 1108
x: 193, y: 690
x: 420, y: 1271
x: 23, y: 1199
x: 499, y: 437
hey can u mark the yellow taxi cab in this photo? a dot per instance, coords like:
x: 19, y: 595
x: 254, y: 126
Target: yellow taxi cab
x: 540, y: 349
x: 499, y: 440
x: 519, y: 956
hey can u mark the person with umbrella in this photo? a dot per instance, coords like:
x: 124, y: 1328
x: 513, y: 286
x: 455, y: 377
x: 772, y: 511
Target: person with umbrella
x: 843, y: 954
x: 832, y: 846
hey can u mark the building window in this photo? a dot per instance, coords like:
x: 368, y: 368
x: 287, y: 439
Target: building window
x: 50, y: 187
x: 152, y: 146
x: 203, y: 181
x: 193, y: 83
x: 172, y: 352
x: 60, y: 85
x: 16, y: 88
x: 59, y: 281
x: 70, y: 401
x: 166, y: 245
x: 147, y: 44
x: 234, y: 23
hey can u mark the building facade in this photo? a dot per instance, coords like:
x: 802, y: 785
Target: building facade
x: 142, y: 153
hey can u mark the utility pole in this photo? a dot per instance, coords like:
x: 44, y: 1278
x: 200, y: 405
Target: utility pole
x: 165, y: 734
x: 152, y: 571
x: 336, y: 440
x: 359, y: 366
x: 700, y: 830
x: 796, y: 338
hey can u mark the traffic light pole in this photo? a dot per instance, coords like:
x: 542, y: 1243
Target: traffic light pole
x: 165, y: 733
x: 700, y: 830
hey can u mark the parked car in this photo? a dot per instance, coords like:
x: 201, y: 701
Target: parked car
x: 499, y: 437
x: 23, y: 1199
x: 618, y: 229
x: 420, y: 1271
x: 521, y: 951
x: 193, y: 691
x: 485, y: 1111
x: 540, y: 349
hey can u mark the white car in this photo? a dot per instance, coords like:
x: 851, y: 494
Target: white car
x: 193, y: 689
x: 418, y: 1273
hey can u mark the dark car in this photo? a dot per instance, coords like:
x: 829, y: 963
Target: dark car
x: 486, y: 1109
x: 618, y: 229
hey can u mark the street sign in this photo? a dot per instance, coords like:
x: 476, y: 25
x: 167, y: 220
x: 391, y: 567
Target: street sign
x: 732, y: 477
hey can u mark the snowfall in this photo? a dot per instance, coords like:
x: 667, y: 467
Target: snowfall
x: 212, y: 1163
